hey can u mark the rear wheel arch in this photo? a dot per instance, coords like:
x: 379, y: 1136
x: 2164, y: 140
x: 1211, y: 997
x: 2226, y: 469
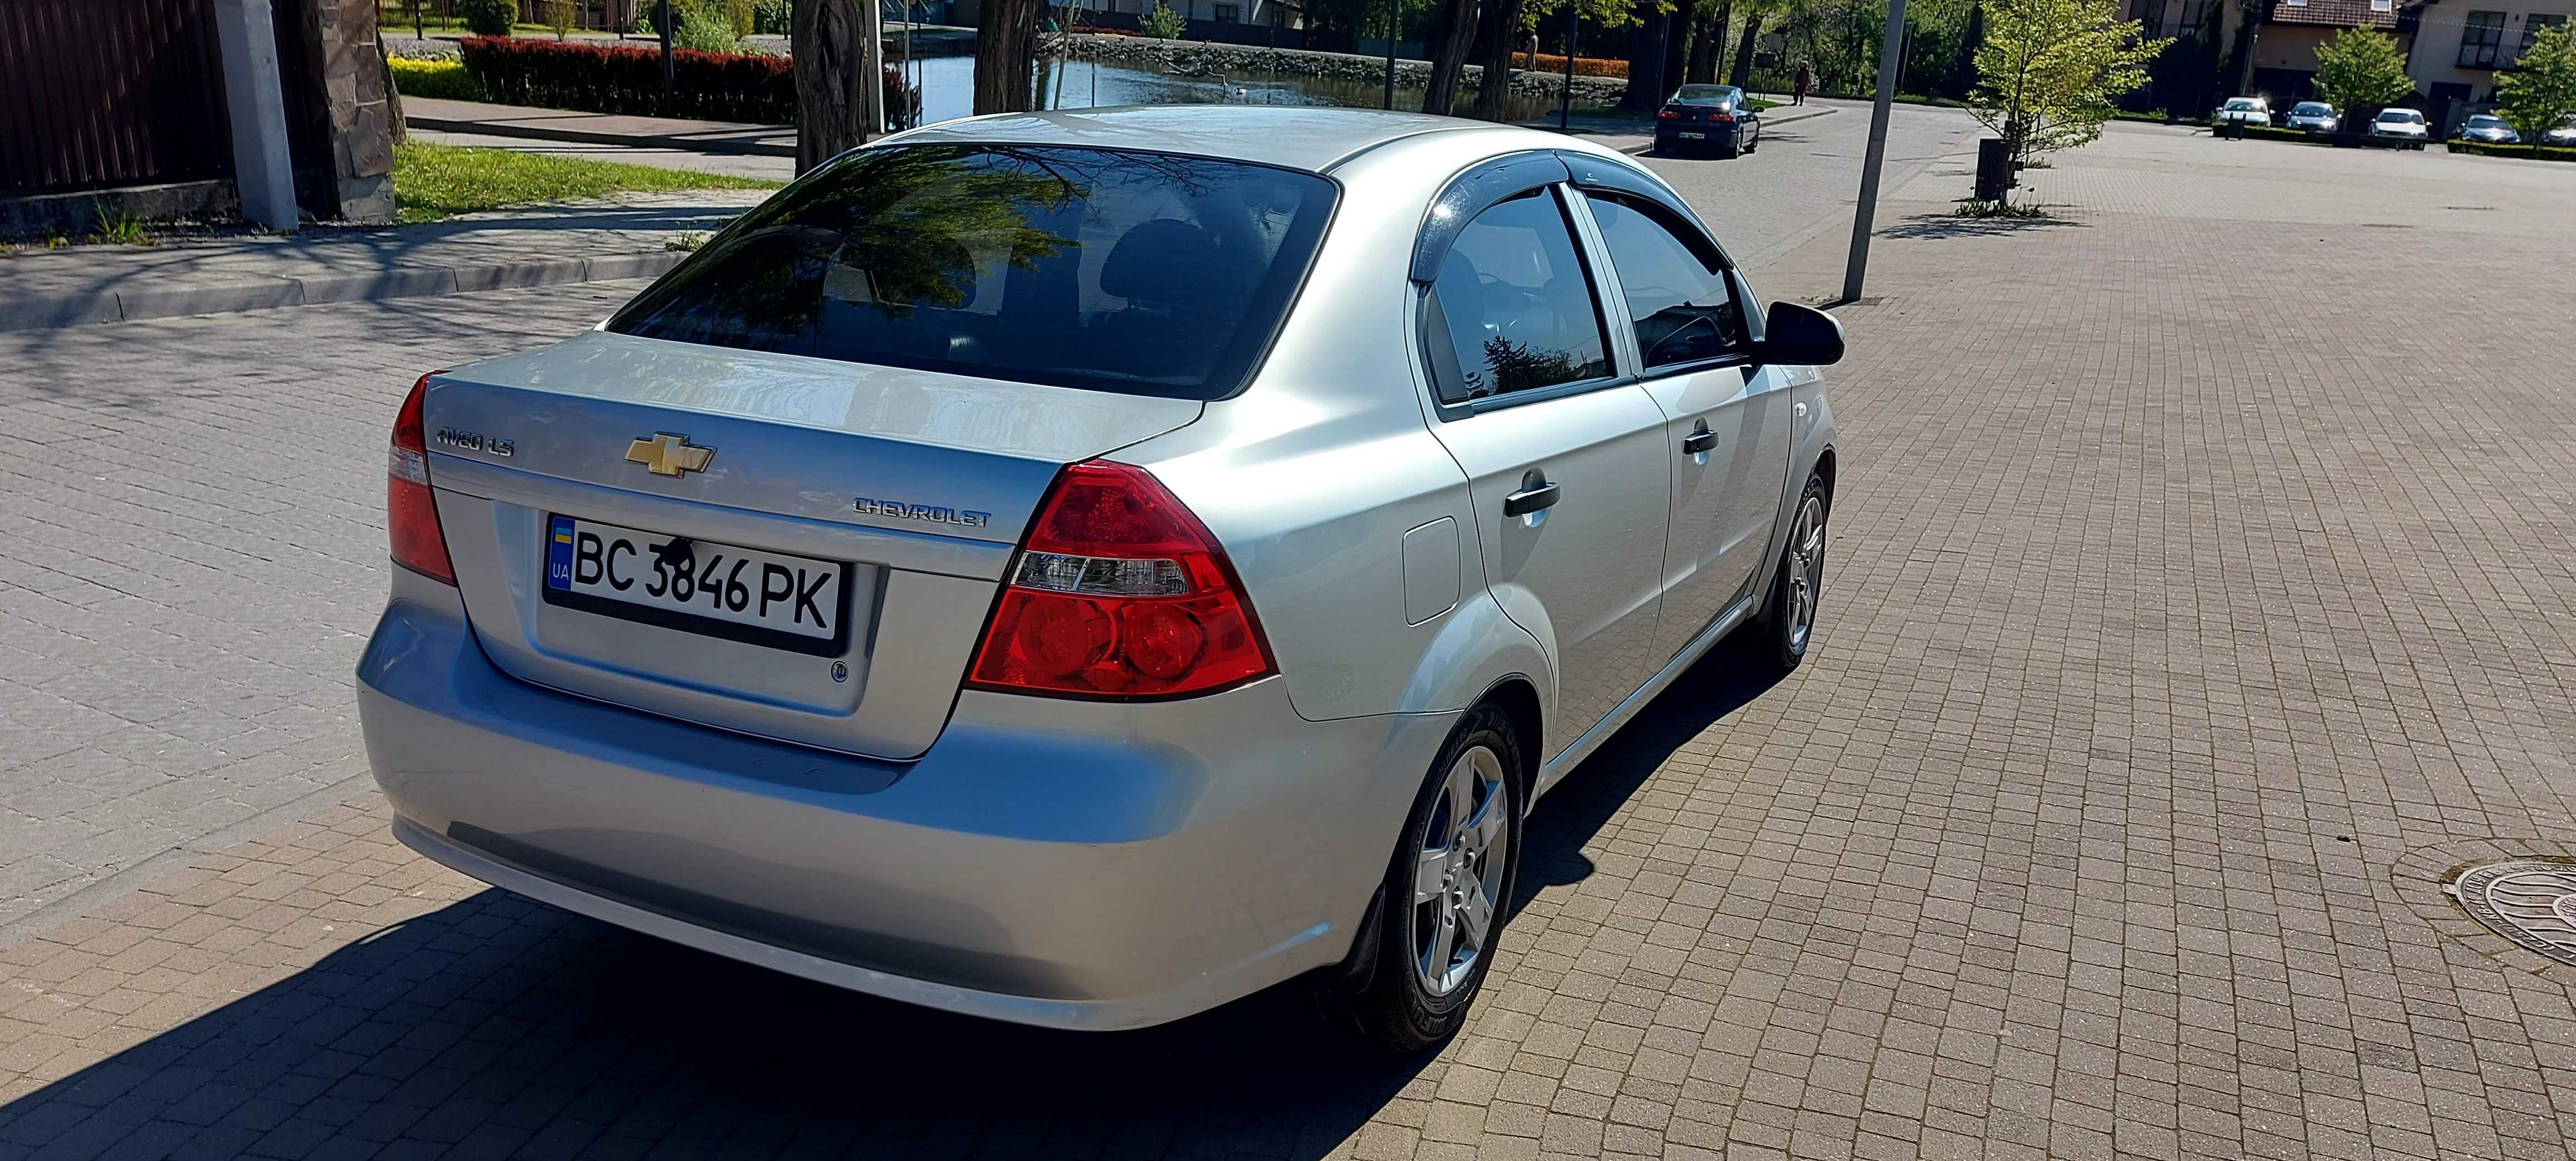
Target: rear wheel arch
x: 1517, y: 697
x: 1825, y: 472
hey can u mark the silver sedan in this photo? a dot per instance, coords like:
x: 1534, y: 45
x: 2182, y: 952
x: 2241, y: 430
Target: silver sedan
x: 1082, y: 568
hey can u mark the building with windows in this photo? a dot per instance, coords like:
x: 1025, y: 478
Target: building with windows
x: 2464, y: 45
x: 2286, y: 43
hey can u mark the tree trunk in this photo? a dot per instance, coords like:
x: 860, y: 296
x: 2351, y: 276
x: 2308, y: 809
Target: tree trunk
x: 1452, y: 36
x: 1744, y: 49
x: 1496, y: 28
x: 2240, y: 61
x: 1677, y: 42
x: 1006, y: 50
x: 1709, y: 45
x: 1646, y: 62
x: 827, y: 61
x: 1963, y: 74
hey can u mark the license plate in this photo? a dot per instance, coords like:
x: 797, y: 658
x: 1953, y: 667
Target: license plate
x: 698, y: 586
x: 1694, y: 136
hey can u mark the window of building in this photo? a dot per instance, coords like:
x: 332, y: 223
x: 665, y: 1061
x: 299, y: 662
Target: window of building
x: 1512, y: 309
x: 2481, y: 33
x: 2383, y: 5
x: 1229, y: 14
x: 2532, y: 26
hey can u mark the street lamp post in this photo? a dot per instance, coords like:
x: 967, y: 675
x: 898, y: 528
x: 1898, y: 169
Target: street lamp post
x: 662, y: 24
x: 1394, y: 19
x: 1890, y: 53
x: 1573, y: 31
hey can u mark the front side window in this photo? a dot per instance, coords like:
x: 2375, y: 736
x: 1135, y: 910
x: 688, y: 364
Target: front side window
x: 1512, y: 309
x: 1677, y: 294
x: 1138, y: 273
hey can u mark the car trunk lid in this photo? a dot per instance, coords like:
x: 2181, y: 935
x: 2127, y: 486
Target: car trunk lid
x: 892, y: 497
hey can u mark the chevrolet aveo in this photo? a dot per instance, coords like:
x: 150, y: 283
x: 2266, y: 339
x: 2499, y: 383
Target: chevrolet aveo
x: 1082, y: 568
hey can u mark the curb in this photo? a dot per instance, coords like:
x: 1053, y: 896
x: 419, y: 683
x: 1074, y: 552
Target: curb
x: 587, y: 137
x: 43, y: 311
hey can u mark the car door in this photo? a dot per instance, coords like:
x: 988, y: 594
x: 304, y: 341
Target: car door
x: 1728, y: 425
x: 1565, y: 460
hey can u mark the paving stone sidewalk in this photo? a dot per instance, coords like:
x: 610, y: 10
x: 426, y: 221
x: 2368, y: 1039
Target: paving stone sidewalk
x: 2175, y: 647
x: 613, y: 238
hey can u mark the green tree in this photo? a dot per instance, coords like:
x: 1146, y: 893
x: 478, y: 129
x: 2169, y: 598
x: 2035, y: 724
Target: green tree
x: 2049, y: 69
x: 1162, y: 23
x: 2541, y: 96
x: 2361, y: 71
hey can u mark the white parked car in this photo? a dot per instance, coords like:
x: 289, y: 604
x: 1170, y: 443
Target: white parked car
x: 2564, y: 135
x: 2248, y: 110
x: 2400, y: 128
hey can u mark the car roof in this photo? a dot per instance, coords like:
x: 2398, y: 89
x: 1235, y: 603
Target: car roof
x: 1287, y: 136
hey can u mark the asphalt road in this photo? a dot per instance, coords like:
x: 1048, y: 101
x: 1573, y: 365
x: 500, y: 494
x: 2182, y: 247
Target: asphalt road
x: 1804, y: 177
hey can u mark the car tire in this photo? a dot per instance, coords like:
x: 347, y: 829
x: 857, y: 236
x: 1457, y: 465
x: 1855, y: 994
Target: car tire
x: 1396, y: 1003
x: 1729, y: 152
x: 1789, y: 619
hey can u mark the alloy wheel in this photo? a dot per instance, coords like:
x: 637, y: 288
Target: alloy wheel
x: 1806, y: 571
x: 1458, y: 875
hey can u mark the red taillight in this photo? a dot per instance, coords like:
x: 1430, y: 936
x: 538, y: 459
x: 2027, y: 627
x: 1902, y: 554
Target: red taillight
x: 1668, y: 114
x: 1721, y: 117
x: 1119, y: 592
x: 411, y: 516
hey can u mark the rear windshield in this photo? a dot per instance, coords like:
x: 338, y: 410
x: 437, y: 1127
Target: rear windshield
x: 1704, y: 95
x: 1139, y: 273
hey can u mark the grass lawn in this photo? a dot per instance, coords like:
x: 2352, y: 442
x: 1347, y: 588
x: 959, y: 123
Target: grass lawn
x: 434, y: 181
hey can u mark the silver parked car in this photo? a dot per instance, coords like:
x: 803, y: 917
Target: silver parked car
x: 1081, y: 568
x: 2489, y: 129
x: 2312, y: 117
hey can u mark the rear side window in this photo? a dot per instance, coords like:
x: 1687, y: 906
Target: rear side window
x: 1138, y: 273
x: 1512, y: 309
x: 1677, y: 293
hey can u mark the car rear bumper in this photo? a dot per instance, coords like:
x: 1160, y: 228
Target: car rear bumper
x: 1718, y: 137
x: 1051, y: 862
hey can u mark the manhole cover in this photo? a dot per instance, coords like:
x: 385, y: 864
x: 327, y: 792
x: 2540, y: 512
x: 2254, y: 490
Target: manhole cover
x: 2530, y: 902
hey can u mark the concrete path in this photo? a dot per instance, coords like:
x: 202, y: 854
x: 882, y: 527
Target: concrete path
x: 625, y: 237
x: 599, y: 128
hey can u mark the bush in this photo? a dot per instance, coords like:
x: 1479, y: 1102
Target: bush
x: 444, y: 80
x: 1584, y: 66
x: 488, y: 17
x: 611, y: 78
x: 2526, y: 152
x: 770, y: 17
x: 1162, y: 23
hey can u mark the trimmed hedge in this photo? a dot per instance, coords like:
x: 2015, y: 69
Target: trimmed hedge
x: 610, y: 78
x: 1584, y: 66
x: 441, y: 79
x: 2526, y: 152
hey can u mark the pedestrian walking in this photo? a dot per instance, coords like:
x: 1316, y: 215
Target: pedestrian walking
x: 1806, y: 80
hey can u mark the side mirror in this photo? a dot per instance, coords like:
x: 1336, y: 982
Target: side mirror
x: 1792, y: 333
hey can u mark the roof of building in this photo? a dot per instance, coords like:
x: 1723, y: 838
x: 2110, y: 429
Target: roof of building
x: 2339, y: 13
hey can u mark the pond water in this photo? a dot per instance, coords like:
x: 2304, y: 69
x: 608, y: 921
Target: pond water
x: 948, y: 89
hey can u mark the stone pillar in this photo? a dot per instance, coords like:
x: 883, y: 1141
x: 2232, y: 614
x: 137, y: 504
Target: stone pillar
x: 262, y: 166
x: 353, y: 85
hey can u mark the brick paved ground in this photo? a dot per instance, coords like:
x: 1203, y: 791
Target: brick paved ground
x: 2201, y: 592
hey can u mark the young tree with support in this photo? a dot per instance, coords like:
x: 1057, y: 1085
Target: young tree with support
x: 2541, y: 94
x: 2049, y: 69
x: 2360, y: 72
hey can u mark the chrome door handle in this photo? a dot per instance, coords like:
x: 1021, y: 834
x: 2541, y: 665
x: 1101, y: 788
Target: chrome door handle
x: 1699, y: 440
x: 1536, y: 493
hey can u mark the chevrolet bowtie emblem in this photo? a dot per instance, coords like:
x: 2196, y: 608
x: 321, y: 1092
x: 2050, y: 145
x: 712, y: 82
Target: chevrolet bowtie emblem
x: 669, y: 455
